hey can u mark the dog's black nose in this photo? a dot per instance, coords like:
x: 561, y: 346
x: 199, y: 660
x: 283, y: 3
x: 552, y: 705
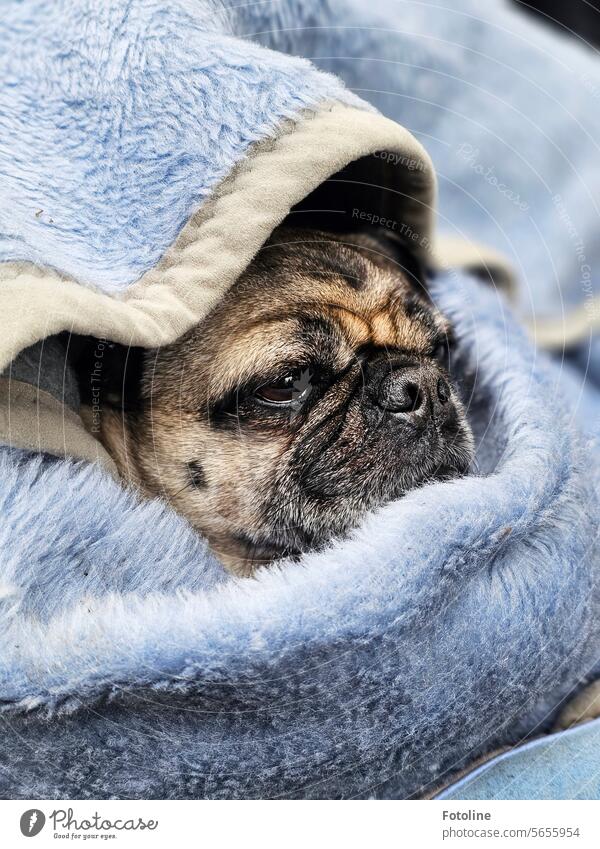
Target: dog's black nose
x: 415, y: 393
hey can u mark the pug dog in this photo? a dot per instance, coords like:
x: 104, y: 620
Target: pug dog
x: 316, y: 390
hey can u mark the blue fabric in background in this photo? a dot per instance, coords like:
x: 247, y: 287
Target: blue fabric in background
x: 507, y: 109
x: 560, y: 766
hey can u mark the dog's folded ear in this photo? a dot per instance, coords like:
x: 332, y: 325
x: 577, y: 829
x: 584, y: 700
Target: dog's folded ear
x: 399, y: 252
x: 389, y: 250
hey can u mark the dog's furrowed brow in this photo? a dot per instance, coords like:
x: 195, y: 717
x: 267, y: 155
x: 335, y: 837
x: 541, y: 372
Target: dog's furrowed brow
x: 257, y: 352
x: 302, y: 340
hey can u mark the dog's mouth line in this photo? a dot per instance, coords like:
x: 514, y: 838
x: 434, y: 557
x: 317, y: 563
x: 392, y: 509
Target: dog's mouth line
x: 265, y: 548
x: 453, y: 457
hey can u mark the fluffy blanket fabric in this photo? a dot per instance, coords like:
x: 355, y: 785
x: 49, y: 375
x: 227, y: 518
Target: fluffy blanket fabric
x: 131, y: 665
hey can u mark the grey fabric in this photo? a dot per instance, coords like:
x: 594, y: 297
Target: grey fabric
x: 45, y: 365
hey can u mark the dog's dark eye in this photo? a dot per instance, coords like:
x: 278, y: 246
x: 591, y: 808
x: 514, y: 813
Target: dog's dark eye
x: 292, y: 389
x: 441, y: 352
x: 279, y: 392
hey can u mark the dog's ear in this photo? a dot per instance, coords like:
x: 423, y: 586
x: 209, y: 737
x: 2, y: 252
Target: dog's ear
x: 404, y: 257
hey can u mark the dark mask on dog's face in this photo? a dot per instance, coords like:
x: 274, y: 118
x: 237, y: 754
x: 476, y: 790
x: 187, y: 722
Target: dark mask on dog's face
x: 317, y: 389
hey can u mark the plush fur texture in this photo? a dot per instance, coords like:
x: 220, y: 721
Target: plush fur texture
x: 509, y: 174
x: 127, y: 117
x: 453, y: 619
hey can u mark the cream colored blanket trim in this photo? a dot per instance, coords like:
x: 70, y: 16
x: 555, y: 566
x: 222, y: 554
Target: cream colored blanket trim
x: 33, y: 419
x: 215, y: 247
x: 575, y: 325
x: 216, y: 244
x: 461, y: 253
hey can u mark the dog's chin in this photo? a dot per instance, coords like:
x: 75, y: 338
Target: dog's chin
x: 245, y: 551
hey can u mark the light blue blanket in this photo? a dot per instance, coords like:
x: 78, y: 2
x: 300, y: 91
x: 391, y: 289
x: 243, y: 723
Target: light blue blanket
x: 454, y: 620
x: 557, y: 766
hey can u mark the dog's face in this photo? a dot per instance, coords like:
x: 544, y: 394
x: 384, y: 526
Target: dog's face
x: 317, y: 389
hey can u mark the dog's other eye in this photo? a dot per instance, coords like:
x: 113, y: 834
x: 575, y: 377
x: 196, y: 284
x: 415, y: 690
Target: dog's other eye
x: 441, y: 352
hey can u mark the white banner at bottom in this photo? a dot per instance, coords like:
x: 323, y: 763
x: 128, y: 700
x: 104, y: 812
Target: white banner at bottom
x: 291, y: 824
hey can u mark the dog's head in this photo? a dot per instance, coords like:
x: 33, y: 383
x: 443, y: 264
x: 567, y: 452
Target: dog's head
x: 318, y: 388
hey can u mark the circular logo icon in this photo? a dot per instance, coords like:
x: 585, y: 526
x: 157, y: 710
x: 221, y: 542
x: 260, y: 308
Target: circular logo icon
x: 32, y: 822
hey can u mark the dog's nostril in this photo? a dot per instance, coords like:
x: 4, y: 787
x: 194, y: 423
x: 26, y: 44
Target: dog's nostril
x: 401, y: 396
x: 414, y: 397
x: 443, y: 390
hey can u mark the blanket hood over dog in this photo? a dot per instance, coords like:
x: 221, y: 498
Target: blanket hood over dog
x: 146, y: 153
x: 148, y: 156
